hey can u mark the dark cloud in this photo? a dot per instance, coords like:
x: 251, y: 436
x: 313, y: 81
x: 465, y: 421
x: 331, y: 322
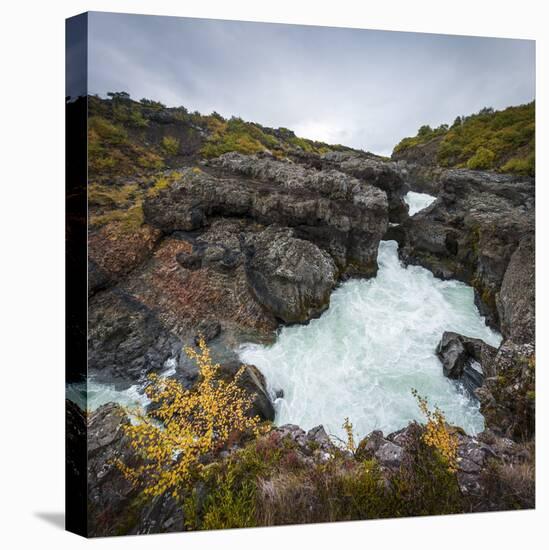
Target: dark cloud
x: 363, y: 88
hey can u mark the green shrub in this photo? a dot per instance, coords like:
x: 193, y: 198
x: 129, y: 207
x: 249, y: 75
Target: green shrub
x: 111, y: 151
x: 269, y: 483
x: 500, y: 140
x: 111, y: 196
x: 137, y: 120
x: 525, y: 166
x: 130, y: 220
x: 424, y: 486
x: 229, y: 504
x: 150, y: 161
x: 106, y: 131
x: 482, y: 160
x: 170, y: 145
x: 164, y: 181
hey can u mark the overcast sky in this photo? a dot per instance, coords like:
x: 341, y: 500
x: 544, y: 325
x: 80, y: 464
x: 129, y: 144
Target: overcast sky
x: 367, y: 89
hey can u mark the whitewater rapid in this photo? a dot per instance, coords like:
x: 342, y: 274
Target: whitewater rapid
x: 91, y: 395
x: 364, y: 355
x: 417, y: 201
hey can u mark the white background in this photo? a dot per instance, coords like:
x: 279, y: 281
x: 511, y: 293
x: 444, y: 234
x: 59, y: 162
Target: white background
x: 32, y: 272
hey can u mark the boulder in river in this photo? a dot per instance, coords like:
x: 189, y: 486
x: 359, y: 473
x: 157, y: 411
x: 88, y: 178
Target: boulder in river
x: 255, y: 385
x: 462, y: 359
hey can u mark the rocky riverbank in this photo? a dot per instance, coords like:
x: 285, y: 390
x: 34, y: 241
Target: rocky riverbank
x: 493, y: 473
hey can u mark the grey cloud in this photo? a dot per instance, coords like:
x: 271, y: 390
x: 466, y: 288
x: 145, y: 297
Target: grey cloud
x: 367, y: 89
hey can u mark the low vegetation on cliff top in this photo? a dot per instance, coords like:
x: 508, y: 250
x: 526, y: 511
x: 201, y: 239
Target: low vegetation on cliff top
x: 128, y: 138
x: 503, y: 141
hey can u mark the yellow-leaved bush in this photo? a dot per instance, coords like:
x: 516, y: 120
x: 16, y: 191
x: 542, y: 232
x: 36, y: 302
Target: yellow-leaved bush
x: 185, y: 425
x: 437, y: 434
x: 350, y: 442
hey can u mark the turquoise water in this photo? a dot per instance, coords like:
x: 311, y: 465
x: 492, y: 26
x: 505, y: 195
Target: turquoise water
x: 375, y: 343
x: 92, y: 395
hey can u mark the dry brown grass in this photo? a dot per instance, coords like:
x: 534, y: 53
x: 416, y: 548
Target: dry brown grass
x: 512, y: 484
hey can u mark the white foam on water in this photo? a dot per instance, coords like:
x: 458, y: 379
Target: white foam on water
x: 417, y: 201
x: 169, y: 367
x: 364, y: 355
x: 92, y: 395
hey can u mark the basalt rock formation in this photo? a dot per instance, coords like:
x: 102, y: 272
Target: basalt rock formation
x: 516, y: 299
x: 462, y: 359
x: 342, y: 215
x: 383, y: 174
x: 112, y: 500
x: 471, y: 231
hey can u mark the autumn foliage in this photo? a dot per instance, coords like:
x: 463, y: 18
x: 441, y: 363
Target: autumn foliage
x: 437, y: 434
x: 185, y: 426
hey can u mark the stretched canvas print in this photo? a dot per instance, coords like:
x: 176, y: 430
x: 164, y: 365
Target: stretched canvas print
x: 300, y: 274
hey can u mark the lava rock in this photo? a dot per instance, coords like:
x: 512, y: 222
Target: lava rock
x: 375, y: 171
x: 98, y: 279
x: 188, y: 260
x: 390, y: 455
x: 208, y: 329
x: 516, y: 301
x: 253, y: 381
x: 507, y: 398
x: 291, y: 277
x: 126, y: 339
x: 368, y: 446
x: 339, y: 213
x: 471, y: 232
x: 319, y: 436
x: 110, y: 494
x: 462, y: 358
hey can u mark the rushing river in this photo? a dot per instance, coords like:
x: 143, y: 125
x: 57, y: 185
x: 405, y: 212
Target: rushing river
x: 364, y: 355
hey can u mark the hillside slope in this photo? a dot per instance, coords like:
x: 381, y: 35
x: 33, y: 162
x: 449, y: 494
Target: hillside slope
x: 503, y: 141
x: 129, y: 138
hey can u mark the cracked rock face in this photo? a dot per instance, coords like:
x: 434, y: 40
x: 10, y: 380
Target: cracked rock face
x: 516, y: 298
x: 126, y: 338
x: 507, y: 398
x: 342, y: 215
x: 110, y: 494
x: 385, y: 175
